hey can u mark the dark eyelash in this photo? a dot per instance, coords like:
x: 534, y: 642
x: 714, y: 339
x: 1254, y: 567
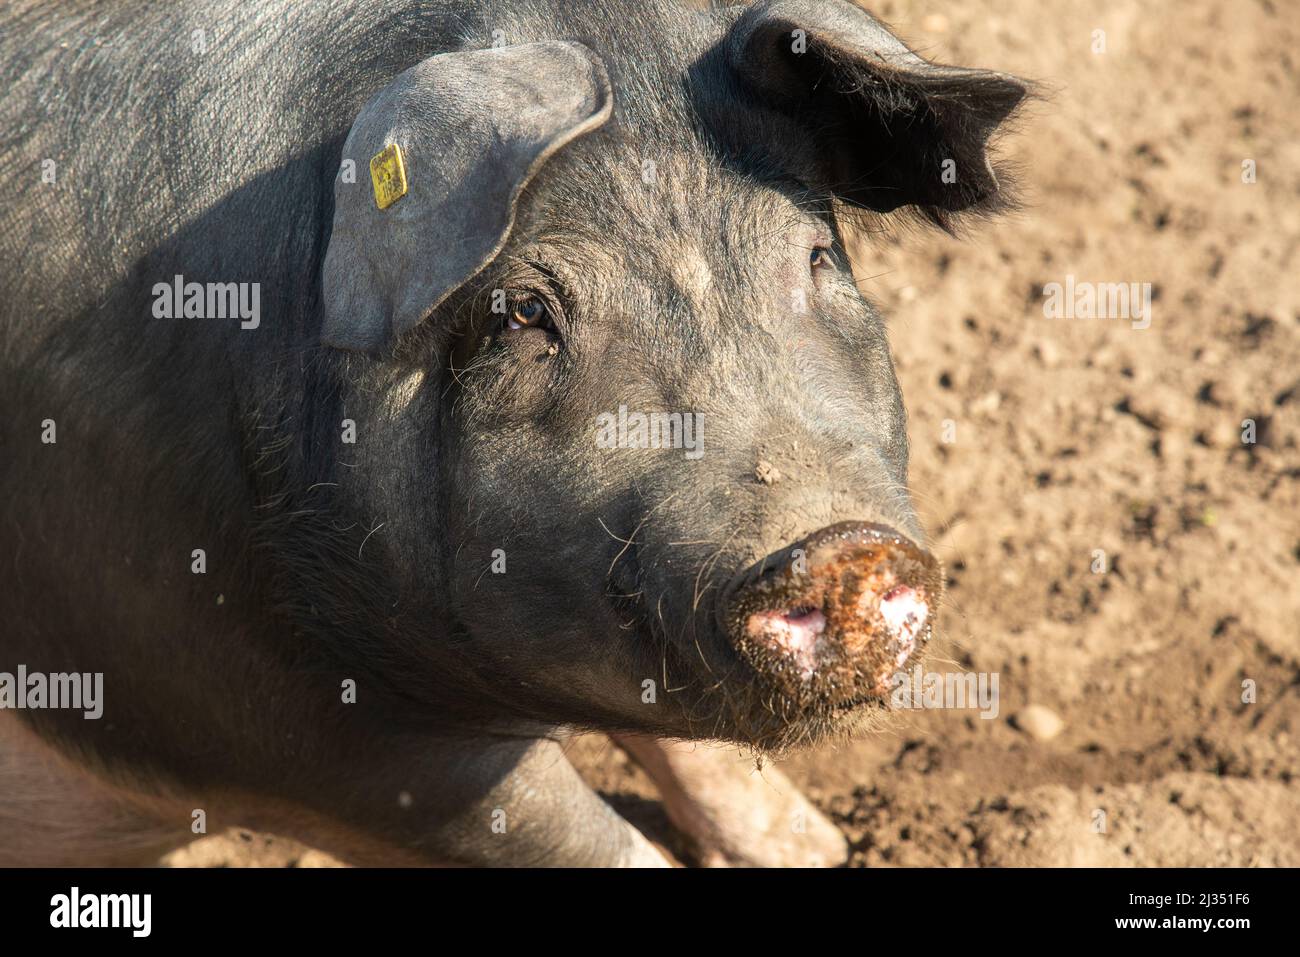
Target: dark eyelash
x: 552, y: 278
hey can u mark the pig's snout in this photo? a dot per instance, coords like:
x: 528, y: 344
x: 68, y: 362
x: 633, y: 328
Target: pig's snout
x: 830, y: 619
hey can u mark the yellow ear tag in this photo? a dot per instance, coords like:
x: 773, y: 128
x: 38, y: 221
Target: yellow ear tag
x: 388, y: 174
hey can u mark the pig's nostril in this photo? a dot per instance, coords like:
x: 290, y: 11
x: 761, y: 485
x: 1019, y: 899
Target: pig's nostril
x: 904, y: 611
x: 798, y: 625
x: 794, y: 632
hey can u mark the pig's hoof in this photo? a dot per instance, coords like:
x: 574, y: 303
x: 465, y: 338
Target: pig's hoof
x: 731, y: 814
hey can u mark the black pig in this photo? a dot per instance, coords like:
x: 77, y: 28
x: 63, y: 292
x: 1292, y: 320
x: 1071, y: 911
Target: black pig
x: 394, y: 386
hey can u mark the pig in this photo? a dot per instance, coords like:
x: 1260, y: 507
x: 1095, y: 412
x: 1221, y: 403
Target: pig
x: 396, y: 388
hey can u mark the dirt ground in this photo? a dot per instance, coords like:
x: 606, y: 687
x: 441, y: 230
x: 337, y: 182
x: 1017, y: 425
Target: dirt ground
x: 1070, y: 436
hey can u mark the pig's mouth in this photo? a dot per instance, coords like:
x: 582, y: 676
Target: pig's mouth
x: 827, y: 622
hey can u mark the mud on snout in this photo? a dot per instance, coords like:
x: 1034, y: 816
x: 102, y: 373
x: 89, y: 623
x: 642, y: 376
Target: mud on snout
x: 826, y: 622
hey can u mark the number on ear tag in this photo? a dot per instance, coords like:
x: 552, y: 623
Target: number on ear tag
x: 388, y: 174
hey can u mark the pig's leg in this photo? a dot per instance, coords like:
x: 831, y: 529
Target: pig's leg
x: 733, y: 814
x: 555, y: 819
x: 477, y: 801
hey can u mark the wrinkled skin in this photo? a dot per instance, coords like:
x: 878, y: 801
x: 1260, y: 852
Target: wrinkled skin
x: 373, y: 561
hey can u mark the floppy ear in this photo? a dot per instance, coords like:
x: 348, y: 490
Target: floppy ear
x: 450, y: 144
x: 892, y: 129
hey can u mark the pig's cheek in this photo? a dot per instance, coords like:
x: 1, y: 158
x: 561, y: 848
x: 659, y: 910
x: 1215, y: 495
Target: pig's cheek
x: 800, y: 285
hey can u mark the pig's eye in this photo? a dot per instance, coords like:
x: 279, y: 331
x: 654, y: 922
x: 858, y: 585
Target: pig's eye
x: 529, y: 313
x: 820, y: 258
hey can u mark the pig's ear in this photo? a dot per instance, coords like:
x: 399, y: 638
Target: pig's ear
x: 891, y: 129
x: 441, y: 155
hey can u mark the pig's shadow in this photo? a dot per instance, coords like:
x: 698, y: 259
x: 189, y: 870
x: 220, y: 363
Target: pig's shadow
x: 648, y: 817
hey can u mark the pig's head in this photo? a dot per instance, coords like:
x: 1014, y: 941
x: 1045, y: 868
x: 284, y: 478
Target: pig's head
x: 631, y: 434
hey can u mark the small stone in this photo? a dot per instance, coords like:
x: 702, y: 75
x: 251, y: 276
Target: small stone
x: 1038, y: 722
x: 766, y: 472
